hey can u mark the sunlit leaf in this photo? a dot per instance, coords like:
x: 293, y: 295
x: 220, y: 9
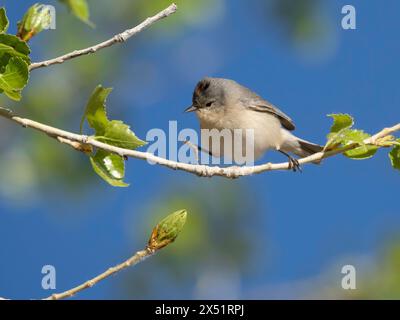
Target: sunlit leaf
x: 113, y: 132
x: 341, y: 122
x: 12, y: 46
x: 394, y: 156
x: 80, y: 9
x: 95, y: 112
x: 119, y: 134
x: 342, y: 134
x: 362, y: 152
x: 350, y: 136
x: 14, y: 78
x: 110, y: 167
x: 3, y: 20
x: 14, y: 95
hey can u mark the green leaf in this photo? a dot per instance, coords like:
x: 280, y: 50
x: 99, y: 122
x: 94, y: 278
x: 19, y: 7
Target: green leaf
x: 167, y: 230
x: 95, y: 112
x: 37, y: 18
x: 113, y: 132
x: 14, y: 78
x: 362, y: 152
x: 342, y: 135
x: 116, y: 133
x: 12, y: 46
x: 14, y: 95
x: 341, y: 121
x: 394, y: 156
x: 350, y: 136
x: 80, y: 9
x: 5, y: 49
x: 3, y: 20
x: 110, y: 167
x: 119, y: 134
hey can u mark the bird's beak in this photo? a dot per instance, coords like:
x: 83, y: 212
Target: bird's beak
x: 191, y: 108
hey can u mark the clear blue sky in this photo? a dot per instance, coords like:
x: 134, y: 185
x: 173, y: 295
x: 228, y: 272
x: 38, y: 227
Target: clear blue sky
x: 333, y: 213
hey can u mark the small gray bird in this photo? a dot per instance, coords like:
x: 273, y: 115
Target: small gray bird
x: 224, y: 104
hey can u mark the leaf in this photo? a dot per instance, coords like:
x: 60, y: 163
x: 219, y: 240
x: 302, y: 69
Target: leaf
x: 3, y: 20
x: 116, y: 133
x: 350, y: 136
x: 362, y: 152
x: 341, y: 134
x: 12, y: 46
x: 5, y: 49
x: 14, y: 95
x: 119, y: 134
x: 14, y: 78
x: 167, y: 230
x: 394, y: 156
x: 16, y: 43
x: 80, y: 9
x: 341, y: 122
x: 37, y: 18
x: 110, y: 167
x: 113, y: 132
x: 95, y: 112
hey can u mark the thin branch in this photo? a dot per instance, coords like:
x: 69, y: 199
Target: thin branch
x: 200, y: 170
x: 119, y: 38
x: 162, y: 235
x: 135, y: 259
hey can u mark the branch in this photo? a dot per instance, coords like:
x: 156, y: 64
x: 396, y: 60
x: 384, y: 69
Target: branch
x: 162, y: 235
x: 135, y: 259
x: 119, y: 38
x: 200, y: 170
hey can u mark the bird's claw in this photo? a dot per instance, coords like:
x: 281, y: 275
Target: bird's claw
x: 294, y: 165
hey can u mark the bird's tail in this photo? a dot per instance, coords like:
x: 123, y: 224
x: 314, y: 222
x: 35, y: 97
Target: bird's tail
x: 308, y: 148
x: 299, y: 147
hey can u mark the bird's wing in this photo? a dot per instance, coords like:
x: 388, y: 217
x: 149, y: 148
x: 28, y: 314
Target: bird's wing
x: 261, y: 105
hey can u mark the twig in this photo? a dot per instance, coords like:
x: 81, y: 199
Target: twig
x: 119, y: 38
x: 200, y: 170
x: 162, y: 235
x: 135, y: 259
x: 82, y: 147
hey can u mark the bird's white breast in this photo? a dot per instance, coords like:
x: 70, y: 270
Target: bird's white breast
x: 266, y: 127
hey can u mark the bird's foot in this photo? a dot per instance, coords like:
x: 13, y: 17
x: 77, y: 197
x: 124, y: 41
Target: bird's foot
x: 294, y: 164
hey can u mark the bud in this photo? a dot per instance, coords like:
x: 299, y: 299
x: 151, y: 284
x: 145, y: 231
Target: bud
x: 37, y: 18
x: 167, y: 230
x: 387, y: 141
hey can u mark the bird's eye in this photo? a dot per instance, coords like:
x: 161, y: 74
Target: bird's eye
x: 209, y: 104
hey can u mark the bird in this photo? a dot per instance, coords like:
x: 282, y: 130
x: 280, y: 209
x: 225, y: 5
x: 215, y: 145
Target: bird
x: 225, y: 105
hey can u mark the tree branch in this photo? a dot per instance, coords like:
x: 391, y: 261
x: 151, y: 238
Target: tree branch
x: 135, y: 259
x: 162, y: 235
x: 200, y: 170
x: 119, y: 38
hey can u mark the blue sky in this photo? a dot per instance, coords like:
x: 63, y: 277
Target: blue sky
x: 333, y: 213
